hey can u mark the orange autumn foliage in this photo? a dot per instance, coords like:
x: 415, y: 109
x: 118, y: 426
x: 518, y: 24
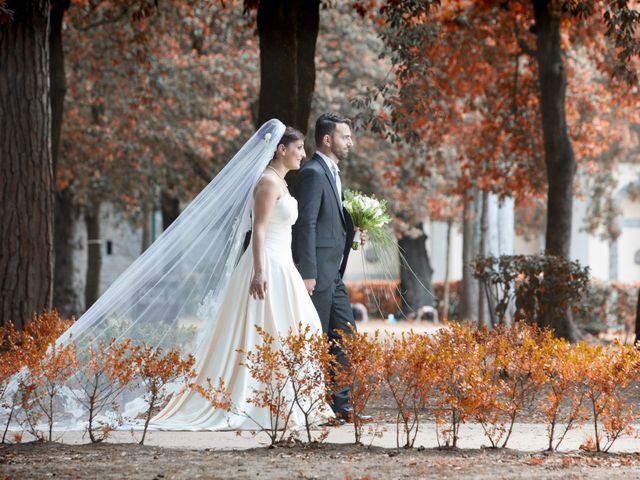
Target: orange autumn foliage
x: 307, y: 361
x: 512, y: 376
x: 155, y: 100
x: 609, y: 371
x: 363, y: 374
x: 266, y: 366
x: 47, y: 367
x: 459, y: 374
x: 29, y: 349
x: 458, y: 380
x: 292, y: 371
x: 408, y: 363
x: 156, y: 370
x: 464, y: 93
x: 107, y: 369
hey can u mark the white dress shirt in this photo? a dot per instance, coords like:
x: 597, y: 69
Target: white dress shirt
x: 333, y: 166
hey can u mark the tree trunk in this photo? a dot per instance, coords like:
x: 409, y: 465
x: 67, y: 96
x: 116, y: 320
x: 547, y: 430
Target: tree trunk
x: 288, y: 30
x: 559, y: 157
x: 26, y: 183
x: 469, y: 294
x: 483, y: 320
x: 146, y: 229
x: 638, y: 321
x: 415, y: 294
x: 445, y: 299
x: 94, y: 255
x: 67, y: 299
x: 57, y: 76
x: 170, y: 209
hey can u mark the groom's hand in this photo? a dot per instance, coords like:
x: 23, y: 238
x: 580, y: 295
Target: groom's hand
x: 363, y: 237
x: 310, y: 285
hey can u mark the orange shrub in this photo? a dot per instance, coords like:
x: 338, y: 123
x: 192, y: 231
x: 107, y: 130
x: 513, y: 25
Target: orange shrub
x: 47, y: 367
x: 107, y: 369
x: 363, y: 375
x: 42, y: 382
x: 458, y: 379
x: 266, y: 366
x: 307, y: 361
x: 155, y: 371
x: 407, y: 365
x: 513, y: 367
x: 11, y: 361
x: 609, y: 372
x: 218, y: 395
x: 564, y: 371
x: 380, y: 297
x: 292, y: 372
x: 460, y: 372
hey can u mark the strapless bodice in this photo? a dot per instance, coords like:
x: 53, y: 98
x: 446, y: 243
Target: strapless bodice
x: 285, y: 212
x: 283, y: 216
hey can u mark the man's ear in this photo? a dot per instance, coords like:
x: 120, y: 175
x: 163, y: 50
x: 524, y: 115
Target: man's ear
x: 326, y: 140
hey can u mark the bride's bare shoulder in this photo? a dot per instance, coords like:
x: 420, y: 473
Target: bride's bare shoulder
x: 267, y: 185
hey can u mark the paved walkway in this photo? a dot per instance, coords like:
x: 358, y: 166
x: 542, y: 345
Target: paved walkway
x: 398, y: 327
x: 525, y: 437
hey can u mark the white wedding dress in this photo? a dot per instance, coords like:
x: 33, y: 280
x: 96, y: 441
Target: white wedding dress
x: 286, y: 304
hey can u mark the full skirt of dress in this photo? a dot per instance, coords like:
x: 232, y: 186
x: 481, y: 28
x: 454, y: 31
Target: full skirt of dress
x: 286, y: 305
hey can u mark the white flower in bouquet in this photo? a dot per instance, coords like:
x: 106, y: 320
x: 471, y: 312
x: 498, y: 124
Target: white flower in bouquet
x: 368, y: 214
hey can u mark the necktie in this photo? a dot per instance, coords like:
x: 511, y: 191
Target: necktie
x: 336, y: 177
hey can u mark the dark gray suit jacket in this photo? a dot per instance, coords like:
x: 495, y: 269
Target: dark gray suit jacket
x: 323, y: 233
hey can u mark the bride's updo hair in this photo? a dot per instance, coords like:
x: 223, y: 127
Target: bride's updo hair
x: 289, y: 136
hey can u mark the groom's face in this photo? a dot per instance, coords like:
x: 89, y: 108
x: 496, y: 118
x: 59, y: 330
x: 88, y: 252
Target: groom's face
x: 341, y: 141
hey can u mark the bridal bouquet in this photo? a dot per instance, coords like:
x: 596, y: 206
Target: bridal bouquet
x: 369, y: 214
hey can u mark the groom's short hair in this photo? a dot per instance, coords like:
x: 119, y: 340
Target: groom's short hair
x: 326, y: 125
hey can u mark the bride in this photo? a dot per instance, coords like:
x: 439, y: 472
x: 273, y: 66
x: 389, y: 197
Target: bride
x: 193, y: 289
x: 265, y: 289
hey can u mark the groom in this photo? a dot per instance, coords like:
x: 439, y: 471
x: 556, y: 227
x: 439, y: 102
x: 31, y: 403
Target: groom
x: 322, y: 237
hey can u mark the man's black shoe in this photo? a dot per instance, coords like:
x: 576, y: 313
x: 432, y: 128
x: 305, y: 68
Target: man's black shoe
x: 336, y: 421
x: 348, y: 417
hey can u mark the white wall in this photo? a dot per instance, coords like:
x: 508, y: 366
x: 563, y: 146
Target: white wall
x: 628, y: 244
x: 126, y: 245
x: 437, y: 248
x: 606, y: 262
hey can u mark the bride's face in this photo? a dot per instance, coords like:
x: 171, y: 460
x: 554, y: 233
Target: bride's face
x: 293, y: 155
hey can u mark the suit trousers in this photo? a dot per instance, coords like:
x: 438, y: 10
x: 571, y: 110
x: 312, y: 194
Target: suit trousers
x: 335, y: 314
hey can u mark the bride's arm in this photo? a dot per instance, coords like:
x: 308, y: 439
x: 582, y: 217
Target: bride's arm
x: 265, y: 196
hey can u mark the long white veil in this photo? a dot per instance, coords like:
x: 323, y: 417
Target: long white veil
x: 170, y: 296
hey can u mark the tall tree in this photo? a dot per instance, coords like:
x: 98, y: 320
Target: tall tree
x: 26, y: 107
x: 558, y: 150
x: 470, y: 288
x: 26, y: 183
x: 532, y: 35
x: 153, y: 129
x: 172, y: 108
x: 288, y: 31
x: 66, y: 299
x: 637, y: 340
x: 348, y: 64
